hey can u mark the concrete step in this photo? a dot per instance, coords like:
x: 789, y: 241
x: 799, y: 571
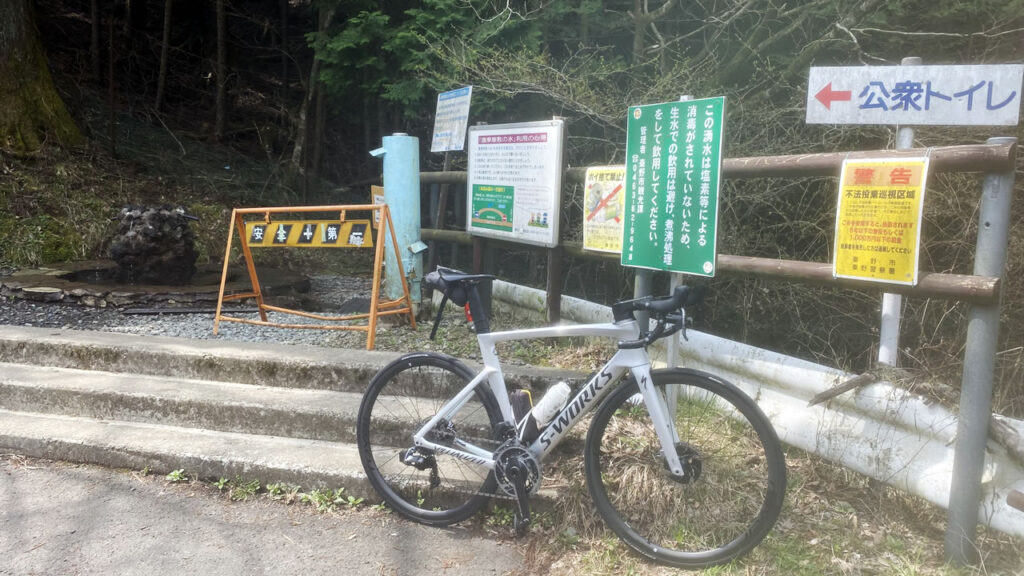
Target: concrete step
x: 280, y: 365
x: 225, y: 406
x: 216, y: 408
x: 204, y: 454
x: 263, y: 364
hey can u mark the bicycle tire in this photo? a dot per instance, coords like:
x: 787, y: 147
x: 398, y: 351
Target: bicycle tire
x: 400, y: 399
x: 737, y: 472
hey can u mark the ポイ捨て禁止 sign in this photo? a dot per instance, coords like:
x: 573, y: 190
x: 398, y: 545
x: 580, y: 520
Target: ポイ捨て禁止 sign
x: 603, y: 208
x: 972, y: 95
x: 673, y: 172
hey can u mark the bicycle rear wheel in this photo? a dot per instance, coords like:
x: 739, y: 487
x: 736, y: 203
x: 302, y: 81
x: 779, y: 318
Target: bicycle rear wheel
x: 731, y: 495
x: 430, y: 487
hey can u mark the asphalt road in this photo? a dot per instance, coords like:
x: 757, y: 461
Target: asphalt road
x: 64, y: 519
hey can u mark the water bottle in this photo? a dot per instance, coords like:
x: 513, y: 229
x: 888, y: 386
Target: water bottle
x: 542, y: 413
x: 552, y: 402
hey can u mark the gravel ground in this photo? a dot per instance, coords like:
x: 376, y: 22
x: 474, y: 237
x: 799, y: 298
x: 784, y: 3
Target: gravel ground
x: 326, y: 289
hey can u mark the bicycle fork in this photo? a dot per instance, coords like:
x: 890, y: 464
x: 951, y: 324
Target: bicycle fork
x: 661, y: 418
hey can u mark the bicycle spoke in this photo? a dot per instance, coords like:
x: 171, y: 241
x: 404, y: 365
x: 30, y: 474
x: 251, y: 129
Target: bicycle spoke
x: 427, y: 486
x: 734, y: 483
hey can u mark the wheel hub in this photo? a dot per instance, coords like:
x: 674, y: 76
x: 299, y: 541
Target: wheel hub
x: 691, y: 462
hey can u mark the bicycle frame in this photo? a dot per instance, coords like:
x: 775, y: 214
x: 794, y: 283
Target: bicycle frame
x: 590, y: 395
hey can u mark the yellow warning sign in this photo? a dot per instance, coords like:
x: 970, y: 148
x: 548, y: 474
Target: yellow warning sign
x: 878, y: 219
x: 309, y: 234
x: 604, y: 198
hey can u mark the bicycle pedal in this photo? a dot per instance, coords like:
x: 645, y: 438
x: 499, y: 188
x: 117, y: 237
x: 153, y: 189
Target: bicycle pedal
x: 520, y: 525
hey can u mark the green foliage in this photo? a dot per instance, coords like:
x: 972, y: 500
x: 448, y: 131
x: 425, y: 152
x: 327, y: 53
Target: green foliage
x: 283, y: 491
x: 242, y: 489
x: 176, y: 476
x: 48, y: 217
x: 327, y: 499
x: 210, y: 231
x: 501, y: 516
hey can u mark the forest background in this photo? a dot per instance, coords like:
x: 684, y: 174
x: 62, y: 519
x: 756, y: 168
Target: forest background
x: 214, y: 104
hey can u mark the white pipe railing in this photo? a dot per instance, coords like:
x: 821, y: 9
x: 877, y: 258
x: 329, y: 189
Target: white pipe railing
x: 879, y: 430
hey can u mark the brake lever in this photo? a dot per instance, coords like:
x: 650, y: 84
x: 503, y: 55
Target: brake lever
x: 678, y: 322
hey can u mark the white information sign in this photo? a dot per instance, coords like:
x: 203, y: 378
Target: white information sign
x: 982, y: 95
x: 451, y: 119
x: 515, y: 181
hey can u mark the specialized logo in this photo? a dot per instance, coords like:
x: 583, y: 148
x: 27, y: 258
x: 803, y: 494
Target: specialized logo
x: 461, y: 455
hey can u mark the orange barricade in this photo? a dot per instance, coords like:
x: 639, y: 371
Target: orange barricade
x: 322, y: 233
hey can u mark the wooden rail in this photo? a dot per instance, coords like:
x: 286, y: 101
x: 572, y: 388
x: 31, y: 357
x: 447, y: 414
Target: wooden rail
x: 988, y: 158
x: 974, y: 289
x: 965, y: 158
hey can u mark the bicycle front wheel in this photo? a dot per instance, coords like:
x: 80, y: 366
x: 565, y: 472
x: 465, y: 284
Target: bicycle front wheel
x: 424, y: 485
x: 735, y: 481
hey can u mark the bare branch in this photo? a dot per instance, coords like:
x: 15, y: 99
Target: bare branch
x: 941, y: 34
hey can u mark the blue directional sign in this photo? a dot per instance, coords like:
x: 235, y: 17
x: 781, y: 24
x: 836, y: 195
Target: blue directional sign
x: 982, y: 95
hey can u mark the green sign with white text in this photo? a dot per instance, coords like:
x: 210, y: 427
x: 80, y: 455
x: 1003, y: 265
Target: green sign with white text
x: 492, y: 207
x: 673, y: 173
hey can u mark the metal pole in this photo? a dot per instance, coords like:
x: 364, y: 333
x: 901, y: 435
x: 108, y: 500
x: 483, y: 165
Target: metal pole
x: 672, y: 354
x: 401, y: 154
x: 643, y: 280
x: 889, y: 330
x: 979, y: 368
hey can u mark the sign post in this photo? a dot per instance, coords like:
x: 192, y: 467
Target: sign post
x: 604, y: 208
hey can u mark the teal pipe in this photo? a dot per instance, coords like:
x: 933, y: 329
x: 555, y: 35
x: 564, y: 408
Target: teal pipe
x: 401, y: 154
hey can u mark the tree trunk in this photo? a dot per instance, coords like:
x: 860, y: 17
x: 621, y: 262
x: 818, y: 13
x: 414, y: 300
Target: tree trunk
x: 94, y: 41
x: 284, y: 58
x: 302, y: 130
x: 164, y: 51
x: 32, y: 111
x: 320, y: 119
x: 222, y: 70
x: 642, y: 18
x: 111, y: 91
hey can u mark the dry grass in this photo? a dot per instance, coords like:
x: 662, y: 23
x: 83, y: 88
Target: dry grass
x: 835, y: 522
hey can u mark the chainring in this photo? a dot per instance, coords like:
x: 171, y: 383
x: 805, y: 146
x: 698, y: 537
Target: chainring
x: 513, y: 454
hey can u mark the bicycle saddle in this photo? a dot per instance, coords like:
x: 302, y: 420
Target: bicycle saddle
x: 452, y: 283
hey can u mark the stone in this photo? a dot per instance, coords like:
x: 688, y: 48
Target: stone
x: 154, y: 245
x: 42, y: 294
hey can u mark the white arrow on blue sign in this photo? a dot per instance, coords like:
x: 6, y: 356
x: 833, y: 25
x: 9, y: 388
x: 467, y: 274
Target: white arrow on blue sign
x: 981, y: 95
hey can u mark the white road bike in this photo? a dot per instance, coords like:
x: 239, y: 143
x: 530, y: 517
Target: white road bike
x: 693, y: 476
